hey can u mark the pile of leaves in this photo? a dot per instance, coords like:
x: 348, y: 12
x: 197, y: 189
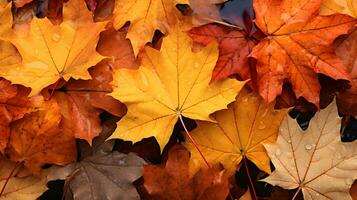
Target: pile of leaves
x: 178, y: 99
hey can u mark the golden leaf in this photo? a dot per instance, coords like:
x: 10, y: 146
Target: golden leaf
x: 171, y: 82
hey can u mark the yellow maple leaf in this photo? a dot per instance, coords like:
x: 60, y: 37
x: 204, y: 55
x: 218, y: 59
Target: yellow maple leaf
x: 24, y: 188
x: 171, y: 82
x: 51, y: 52
x: 315, y: 160
x: 145, y: 17
x: 5, y: 16
x: 240, y: 133
x: 348, y: 7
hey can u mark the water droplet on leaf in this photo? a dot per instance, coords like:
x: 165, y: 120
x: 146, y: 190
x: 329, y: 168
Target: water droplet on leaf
x: 56, y: 37
x: 261, y: 125
x: 308, y: 147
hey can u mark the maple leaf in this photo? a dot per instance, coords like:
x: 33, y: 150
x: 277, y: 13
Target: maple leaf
x: 114, y: 44
x: 28, y: 187
x: 348, y: 7
x: 170, y: 83
x: 309, y: 159
x: 82, y: 101
x: 297, y: 46
x: 346, y: 50
x: 234, y: 49
x: 41, y: 137
x: 102, y: 174
x: 5, y: 17
x: 145, y: 17
x: 14, y: 104
x: 240, y: 133
x: 52, y: 52
x: 172, y: 180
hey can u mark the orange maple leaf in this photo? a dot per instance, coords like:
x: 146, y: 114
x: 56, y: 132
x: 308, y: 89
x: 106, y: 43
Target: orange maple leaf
x: 297, y: 47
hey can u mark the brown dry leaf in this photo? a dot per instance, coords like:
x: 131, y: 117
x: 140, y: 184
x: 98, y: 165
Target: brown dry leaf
x: 41, y: 137
x: 315, y: 161
x: 205, y: 11
x: 20, y: 188
x: 347, y: 100
x: 172, y: 180
x: 104, y: 175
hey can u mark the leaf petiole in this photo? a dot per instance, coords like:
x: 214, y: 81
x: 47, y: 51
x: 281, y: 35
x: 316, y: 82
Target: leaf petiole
x: 193, y: 141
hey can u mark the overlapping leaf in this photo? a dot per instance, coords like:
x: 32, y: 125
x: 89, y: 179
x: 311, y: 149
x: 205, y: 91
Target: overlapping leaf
x: 311, y: 160
x: 347, y: 100
x: 42, y: 137
x: 234, y: 48
x: 240, y: 133
x: 297, y: 47
x: 5, y: 16
x: 28, y: 187
x: 105, y: 175
x: 52, y: 52
x: 348, y: 7
x: 145, y: 17
x: 171, y: 82
x: 14, y: 104
x: 172, y: 181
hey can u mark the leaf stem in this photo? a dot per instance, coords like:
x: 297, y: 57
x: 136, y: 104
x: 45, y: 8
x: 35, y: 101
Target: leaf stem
x: 193, y: 141
x: 67, y: 181
x: 17, y: 165
x: 250, y: 178
x: 53, y: 90
x: 222, y: 23
x: 296, y: 193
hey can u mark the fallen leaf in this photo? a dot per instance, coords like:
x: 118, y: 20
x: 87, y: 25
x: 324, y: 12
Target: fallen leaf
x: 5, y: 17
x: 104, y: 175
x: 171, y: 82
x: 347, y: 100
x: 205, y: 11
x: 309, y: 159
x: 40, y: 138
x: 17, y: 188
x: 82, y: 101
x: 172, y: 180
x: 114, y: 44
x: 239, y: 133
x: 52, y: 52
x: 348, y: 7
x: 234, y: 48
x: 297, y: 47
x: 145, y: 17
x: 14, y: 104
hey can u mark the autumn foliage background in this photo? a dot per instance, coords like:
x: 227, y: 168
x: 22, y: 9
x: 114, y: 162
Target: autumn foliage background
x: 178, y: 99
